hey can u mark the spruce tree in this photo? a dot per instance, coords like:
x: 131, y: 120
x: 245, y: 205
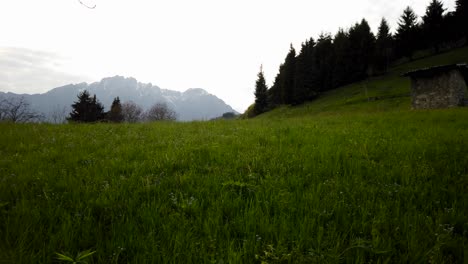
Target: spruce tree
x: 97, y: 110
x: 299, y: 76
x: 343, y: 60
x: 86, y: 109
x: 283, y: 88
x: 461, y: 13
x: 80, y: 109
x: 261, y: 94
x: 433, y: 24
x: 115, y: 114
x: 362, y: 43
x: 287, y: 84
x: 305, y: 75
x: 274, y: 93
x: 461, y: 6
x: 324, y: 58
x: 406, y: 33
x: 384, y: 47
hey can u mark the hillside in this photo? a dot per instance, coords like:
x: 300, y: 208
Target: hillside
x: 390, y: 92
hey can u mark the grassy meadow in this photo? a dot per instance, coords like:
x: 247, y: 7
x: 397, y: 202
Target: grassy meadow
x: 356, y: 188
x: 341, y: 180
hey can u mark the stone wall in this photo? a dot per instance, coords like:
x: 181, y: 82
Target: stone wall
x: 439, y: 91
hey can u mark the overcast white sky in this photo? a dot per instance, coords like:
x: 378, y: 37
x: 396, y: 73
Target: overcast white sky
x: 176, y: 44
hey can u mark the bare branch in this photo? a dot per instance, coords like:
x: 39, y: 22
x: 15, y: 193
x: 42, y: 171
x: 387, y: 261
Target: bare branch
x: 18, y: 110
x: 131, y: 112
x: 90, y: 7
x: 159, y: 112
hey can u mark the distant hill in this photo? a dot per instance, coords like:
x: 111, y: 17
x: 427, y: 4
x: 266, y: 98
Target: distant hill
x: 193, y: 104
x: 389, y: 92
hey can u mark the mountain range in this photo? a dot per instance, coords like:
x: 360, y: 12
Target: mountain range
x: 193, y: 104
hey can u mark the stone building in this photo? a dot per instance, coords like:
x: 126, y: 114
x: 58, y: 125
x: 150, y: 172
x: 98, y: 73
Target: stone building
x: 439, y: 87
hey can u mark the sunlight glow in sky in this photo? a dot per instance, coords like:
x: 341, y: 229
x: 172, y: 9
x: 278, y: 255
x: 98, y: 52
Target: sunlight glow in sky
x: 177, y: 44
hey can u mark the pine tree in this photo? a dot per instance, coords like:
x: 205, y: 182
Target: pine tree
x: 274, y: 93
x: 461, y: 5
x: 287, y: 84
x: 283, y: 88
x: 362, y: 43
x: 324, y: 59
x: 461, y: 13
x: 433, y: 24
x: 97, y: 110
x: 261, y: 94
x: 115, y: 114
x: 384, y: 47
x: 80, y: 109
x: 86, y: 109
x: 305, y: 74
x: 406, y: 33
x: 343, y: 60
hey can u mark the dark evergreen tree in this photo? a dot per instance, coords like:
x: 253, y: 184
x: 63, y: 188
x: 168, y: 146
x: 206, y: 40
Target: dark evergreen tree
x: 282, y: 90
x: 367, y: 45
x: 324, y: 62
x: 86, y: 109
x: 433, y: 22
x: 97, y: 110
x: 362, y: 43
x: 406, y: 33
x: 383, y: 48
x: 261, y: 94
x: 461, y: 7
x: 287, y: 82
x: 274, y: 93
x: 305, y: 87
x: 115, y: 114
x: 450, y: 29
x: 461, y: 13
x: 343, y: 61
x: 80, y: 109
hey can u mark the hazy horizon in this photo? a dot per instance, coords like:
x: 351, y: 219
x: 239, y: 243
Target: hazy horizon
x: 175, y: 45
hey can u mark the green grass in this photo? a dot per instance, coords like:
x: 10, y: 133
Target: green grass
x: 382, y: 187
x: 340, y: 180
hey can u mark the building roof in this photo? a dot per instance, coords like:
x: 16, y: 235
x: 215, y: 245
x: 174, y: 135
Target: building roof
x: 431, y: 71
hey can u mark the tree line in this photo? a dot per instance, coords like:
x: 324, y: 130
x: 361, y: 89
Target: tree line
x: 356, y: 53
x: 87, y: 109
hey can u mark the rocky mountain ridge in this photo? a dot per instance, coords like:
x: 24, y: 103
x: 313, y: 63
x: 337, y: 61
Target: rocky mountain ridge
x: 193, y: 104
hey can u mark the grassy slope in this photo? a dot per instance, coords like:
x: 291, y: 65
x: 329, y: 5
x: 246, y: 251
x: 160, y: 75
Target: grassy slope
x: 341, y: 187
x: 392, y: 90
